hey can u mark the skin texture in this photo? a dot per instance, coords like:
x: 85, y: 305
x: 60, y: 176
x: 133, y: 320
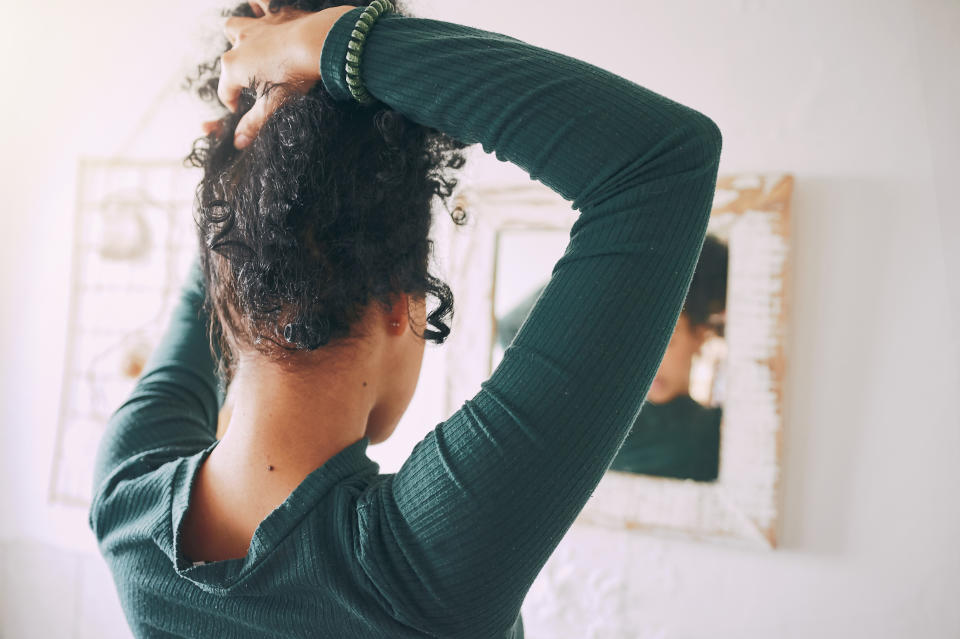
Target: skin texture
x: 282, y: 47
x: 673, y: 376
x: 288, y: 418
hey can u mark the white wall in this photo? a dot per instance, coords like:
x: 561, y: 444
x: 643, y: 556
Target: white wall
x: 857, y: 99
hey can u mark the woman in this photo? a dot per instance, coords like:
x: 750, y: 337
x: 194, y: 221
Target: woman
x: 285, y: 528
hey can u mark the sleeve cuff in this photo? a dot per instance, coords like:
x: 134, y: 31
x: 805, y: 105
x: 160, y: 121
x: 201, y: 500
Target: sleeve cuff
x: 333, y: 57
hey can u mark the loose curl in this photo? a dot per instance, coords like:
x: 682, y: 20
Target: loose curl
x: 327, y: 209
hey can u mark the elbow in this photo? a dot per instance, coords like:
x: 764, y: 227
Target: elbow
x: 706, y: 140
x: 713, y: 138
x: 693, y: 157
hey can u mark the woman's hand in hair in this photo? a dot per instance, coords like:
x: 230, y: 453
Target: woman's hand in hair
x: 278, y: 50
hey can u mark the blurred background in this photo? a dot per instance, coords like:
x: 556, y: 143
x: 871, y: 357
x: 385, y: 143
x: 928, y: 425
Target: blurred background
x: 857, y: 99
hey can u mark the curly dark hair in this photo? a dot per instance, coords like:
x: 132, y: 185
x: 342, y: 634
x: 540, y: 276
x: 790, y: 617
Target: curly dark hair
x: 327, y: 209
x: 707, y: 296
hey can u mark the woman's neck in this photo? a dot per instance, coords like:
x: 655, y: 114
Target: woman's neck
x: 286, y: 423
x: 283, y: 426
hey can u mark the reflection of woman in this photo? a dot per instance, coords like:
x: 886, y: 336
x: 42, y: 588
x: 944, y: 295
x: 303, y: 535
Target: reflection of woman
x: 674, y: 435
x: 314, y: 276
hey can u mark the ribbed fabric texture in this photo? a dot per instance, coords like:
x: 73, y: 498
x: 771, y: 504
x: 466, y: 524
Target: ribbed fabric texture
x: 450, y: 544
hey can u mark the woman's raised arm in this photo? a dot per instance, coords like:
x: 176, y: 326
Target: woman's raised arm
x: 453, y: 541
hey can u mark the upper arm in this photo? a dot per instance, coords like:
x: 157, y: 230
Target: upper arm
x: 474, y: 513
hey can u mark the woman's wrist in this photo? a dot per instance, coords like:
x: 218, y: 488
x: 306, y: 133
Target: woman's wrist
x: 313, y: 34
x: 358, y: 38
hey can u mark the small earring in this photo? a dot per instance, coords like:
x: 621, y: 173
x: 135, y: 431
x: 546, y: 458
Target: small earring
x: 395, y: 324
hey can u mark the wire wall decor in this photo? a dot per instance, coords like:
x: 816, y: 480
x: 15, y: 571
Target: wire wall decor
x: 133, y: 242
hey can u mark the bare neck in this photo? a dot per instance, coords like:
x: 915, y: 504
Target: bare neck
x: 283, y: 426
x: 286, y: 423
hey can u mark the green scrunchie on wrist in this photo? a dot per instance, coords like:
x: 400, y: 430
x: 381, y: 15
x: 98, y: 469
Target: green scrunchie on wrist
x: 373, y: 11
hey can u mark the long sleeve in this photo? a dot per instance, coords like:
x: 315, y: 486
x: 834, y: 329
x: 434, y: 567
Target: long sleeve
x: 453, y: 541
x: 509, y: 324
x: 175, y: 403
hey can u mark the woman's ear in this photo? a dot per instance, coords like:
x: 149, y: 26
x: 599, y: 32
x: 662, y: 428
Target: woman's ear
x: 396, y: 317
x: 418, y: 310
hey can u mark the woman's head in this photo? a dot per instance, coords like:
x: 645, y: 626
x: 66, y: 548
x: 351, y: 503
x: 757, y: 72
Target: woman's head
x: 707, y: 298
x: 321, y: 223
x: 704, y: 305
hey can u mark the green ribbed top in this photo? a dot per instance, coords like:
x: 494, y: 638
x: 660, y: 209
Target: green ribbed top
x: 450, y: 544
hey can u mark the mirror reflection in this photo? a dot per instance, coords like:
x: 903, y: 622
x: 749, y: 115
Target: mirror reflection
x: 677, y: 431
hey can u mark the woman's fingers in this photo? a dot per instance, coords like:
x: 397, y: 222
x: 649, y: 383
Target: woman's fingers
x: 260, y: 7
x: 213, y: 126
x: 230, y: 85
x: 276, y: 49
x: 235, y: 27
x: 250, y: 124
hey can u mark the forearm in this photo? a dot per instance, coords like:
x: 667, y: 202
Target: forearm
x: 483, y: 87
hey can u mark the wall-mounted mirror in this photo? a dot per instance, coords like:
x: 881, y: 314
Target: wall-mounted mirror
x: 702, y: 458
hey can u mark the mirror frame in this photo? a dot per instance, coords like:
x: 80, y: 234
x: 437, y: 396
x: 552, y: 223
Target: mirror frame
x: 751, y: 211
